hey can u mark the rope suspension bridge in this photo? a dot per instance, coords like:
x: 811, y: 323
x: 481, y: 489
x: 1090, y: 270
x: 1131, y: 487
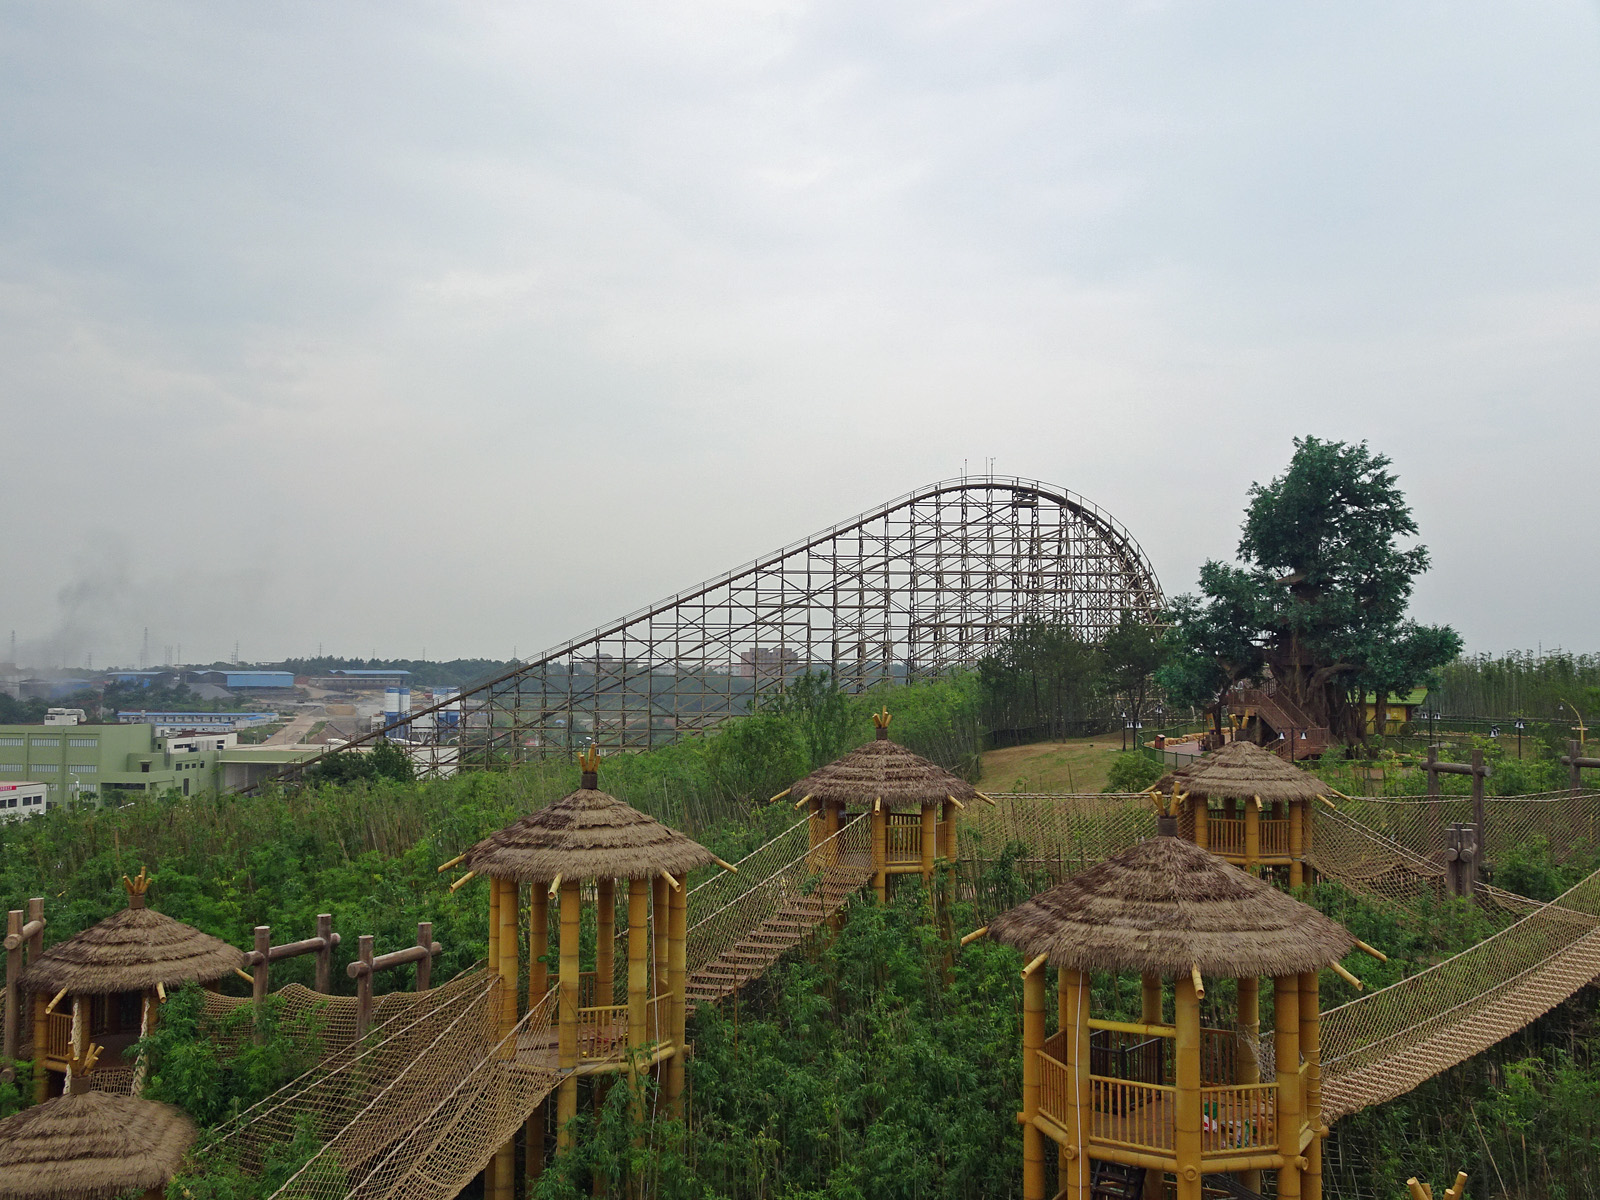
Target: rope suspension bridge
x: 417, y: 1108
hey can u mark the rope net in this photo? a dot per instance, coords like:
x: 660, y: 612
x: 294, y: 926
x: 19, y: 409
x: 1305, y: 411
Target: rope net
x: 393, y: 1089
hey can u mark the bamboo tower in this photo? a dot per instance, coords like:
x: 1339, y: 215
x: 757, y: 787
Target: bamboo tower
x: 109, y: 982
x: 1166, y: 1095
x: 913, y: 803
x: 91, y: 1145
x: 1247, y: 806
x: 590, y: 838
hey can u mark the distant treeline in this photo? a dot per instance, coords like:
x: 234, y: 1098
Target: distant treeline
x: 1521, y: 683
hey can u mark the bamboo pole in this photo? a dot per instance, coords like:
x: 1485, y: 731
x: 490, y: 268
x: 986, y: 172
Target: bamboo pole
x: 1247, y: 1067
x: 1298, y: 810
x: 538, y: 985
x: 1150, y: 1014
x: 1252, y: 835
x: 952, y: 807
x: 930, y: 820
x: 1286, y: 1043
x: 1032, y: 1046
x: 660, y: 902
x: 507, y: 965
x: 1186, y: 1142
x: 567, y: 1040
x: 880, y: 851
x: 605, y: 941
x: 363, y: 984
x: 1311, y: 1105
x: 678, y: 964
x: 1202, y: 823
x: 41, y: 1034
x: 1074, y: 1163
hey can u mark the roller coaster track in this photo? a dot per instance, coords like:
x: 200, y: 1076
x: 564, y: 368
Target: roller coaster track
x: 904, y: 591
x: 417, y: 1109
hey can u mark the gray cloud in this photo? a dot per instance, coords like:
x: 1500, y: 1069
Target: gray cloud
x: 366, y: 324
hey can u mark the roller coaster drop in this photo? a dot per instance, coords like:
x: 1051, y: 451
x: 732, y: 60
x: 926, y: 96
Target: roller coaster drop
x: 902, y: 592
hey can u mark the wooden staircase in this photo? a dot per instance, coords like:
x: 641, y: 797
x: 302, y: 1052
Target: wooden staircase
x: 794, y: 919
x: 1115, y: 1181
x: 1284, y: 716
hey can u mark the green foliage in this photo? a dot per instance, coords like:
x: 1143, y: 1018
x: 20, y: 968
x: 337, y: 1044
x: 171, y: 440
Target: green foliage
x: 215, y: 1070
x: 1521, y: 683
x: 1131, y: 772
x: 1321, y: 597
x: 1130, y: 657
x: 384, y: 761
x: 18, y: 1094
x: 1041, y: 683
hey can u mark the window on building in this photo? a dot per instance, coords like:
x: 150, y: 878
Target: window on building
x: 84, y: 743
x: 46, y: 742
x: 47, y: 768
x: 11, y: 741
x: 144, y: 767
x: 85, y: 768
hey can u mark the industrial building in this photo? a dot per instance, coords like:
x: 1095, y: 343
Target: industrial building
x: 113, y: 764
x: 203, y: 722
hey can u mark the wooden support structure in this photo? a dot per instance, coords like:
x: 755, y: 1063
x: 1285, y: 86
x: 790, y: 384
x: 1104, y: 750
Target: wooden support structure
x: 367, y: 965
x: 1033, y: 990
x: 1247, y: 1067
x: 1461, y: 859
x: 567, y: 1039
x: 1311, y: 1052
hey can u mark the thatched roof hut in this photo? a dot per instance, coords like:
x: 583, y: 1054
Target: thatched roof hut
x: 886, y: 770
x: 132, y: 951
x: 92, y: 1146
x: 587, y: 835
x: 1164, y: 906
x: 1242, y: 770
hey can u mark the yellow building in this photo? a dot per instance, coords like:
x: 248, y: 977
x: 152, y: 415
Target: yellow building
x: 1167, y: 1095
x: 1399, y: 710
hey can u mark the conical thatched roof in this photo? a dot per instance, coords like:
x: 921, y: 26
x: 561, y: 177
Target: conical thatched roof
x: 1165, y: 905
x: 132, y: 950
x: 1241, y: 770
x: 884, y: 769
x: 587, y: 835
x: 94, y: 1146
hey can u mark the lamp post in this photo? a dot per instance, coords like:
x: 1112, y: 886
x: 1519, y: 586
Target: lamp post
x: 1582, y: 728
x: 1519, y: 738
x: 1126, y: 725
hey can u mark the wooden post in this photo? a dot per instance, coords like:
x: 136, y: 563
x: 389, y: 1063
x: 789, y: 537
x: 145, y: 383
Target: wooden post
x: 880, y: 851
x: 605, y: 942
x: 13, y: 975
x: 1247, y: 1068
x: 41, y: 1076
x: 951, y: 848
x: 425, y: 963
x: 1032, y: 1046
x: 1299, y: 813
x: 1186, y: 1143
x: 1286, y: 1044
x: 80, y: 1037
x: 1202, y: 821
x: 1074, y: 1018
x: 930, y: 818
x: 325, y: 955
x: 364, y: 985
x: 494, y: 926
x: 259, y: 974
x: 1478, y: 772
x: 1431, y: 766
x: 538, y: 985
x: 1252, y: 835
x: 1150, y: 1014
x: 1311, y: 1106
x: 678, y: 967
x: 567, y: 1041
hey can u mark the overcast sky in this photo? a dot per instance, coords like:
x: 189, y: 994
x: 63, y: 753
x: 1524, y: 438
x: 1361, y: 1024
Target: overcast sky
x: 462, y: 328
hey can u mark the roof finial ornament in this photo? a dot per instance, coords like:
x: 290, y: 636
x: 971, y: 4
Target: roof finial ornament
x: 136, y: 888
x: 881, y: 721
x: 81, y: 1066
x: 589, y: 764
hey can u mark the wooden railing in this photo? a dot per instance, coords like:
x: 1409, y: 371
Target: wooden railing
x: 58, y: 1035
x: 1224, y: 836
x: 1274, y: 837
x: 603, y: 1028
x: 1055, y: 1094
x: 1131, y: 1114
x: 1241, y: 1117
x: 903, y: 839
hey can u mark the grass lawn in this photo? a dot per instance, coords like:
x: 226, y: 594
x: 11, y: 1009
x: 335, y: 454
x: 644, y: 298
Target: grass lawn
x: 1078, y: 765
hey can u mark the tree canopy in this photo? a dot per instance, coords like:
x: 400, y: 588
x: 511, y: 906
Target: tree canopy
x: 1319, y: 599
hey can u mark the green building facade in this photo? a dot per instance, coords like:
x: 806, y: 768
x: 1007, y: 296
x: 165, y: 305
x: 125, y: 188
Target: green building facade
x: 109, y: 764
